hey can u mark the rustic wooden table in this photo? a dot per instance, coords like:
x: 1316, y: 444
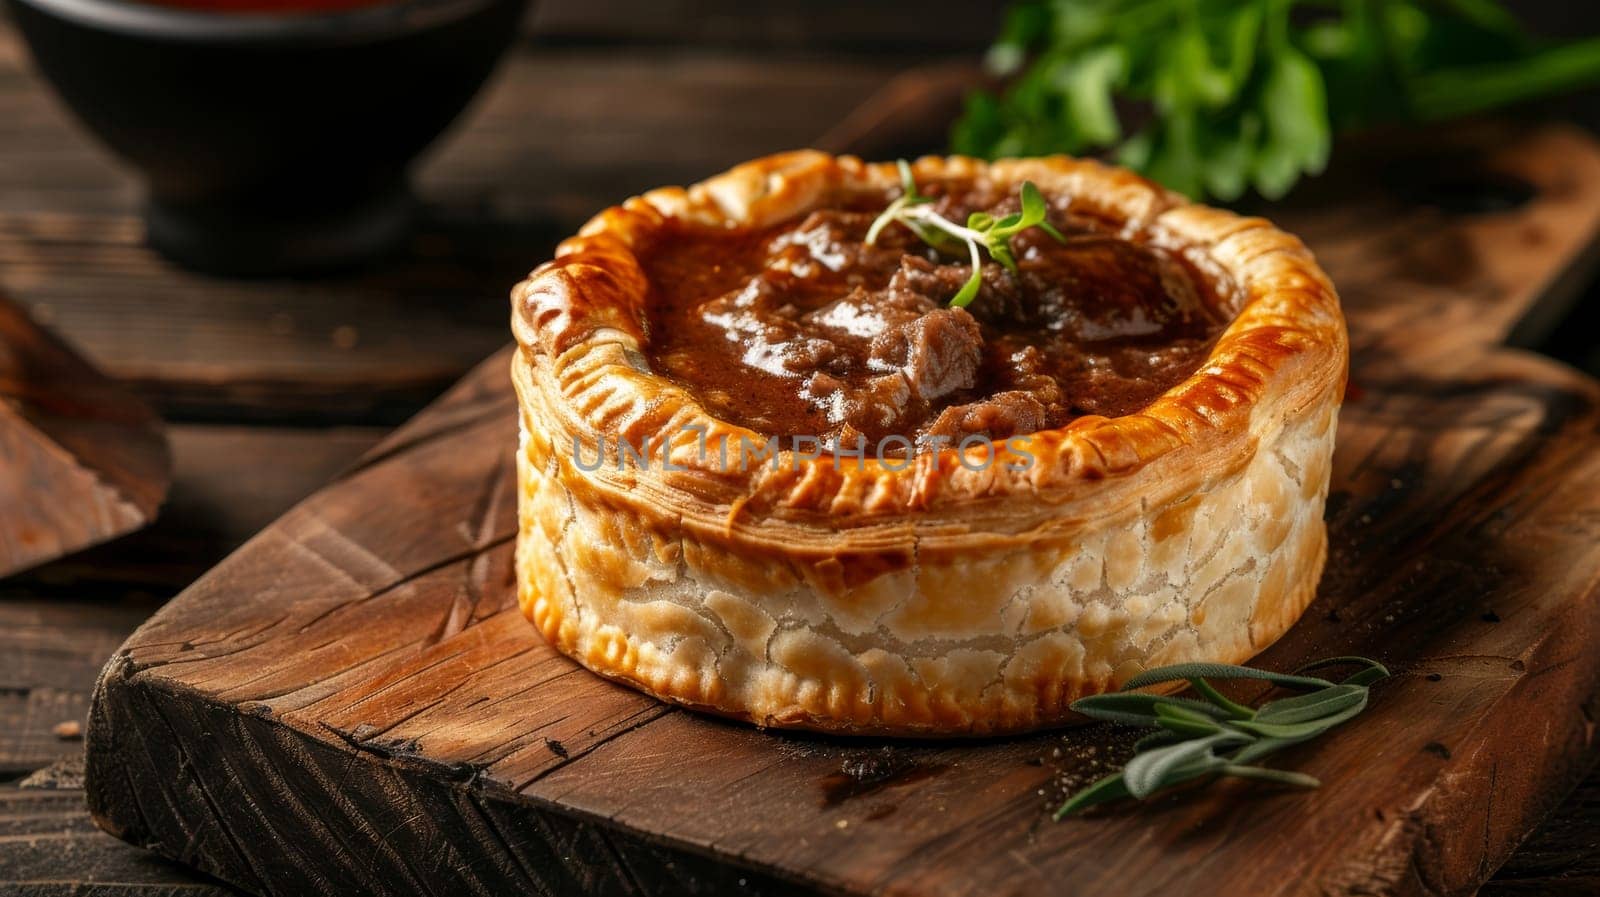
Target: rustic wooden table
x: 271, y: 387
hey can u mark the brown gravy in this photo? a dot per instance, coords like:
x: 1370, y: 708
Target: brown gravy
x: 804, y: 330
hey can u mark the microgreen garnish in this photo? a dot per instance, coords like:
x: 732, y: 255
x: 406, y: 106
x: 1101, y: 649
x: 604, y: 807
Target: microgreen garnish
x: 1217, y: 736
x: 983, y: 231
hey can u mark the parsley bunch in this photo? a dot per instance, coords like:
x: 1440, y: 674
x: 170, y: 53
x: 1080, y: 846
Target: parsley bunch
x: 1248, y: 93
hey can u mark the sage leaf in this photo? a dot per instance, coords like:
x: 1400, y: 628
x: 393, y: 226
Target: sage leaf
x: 1367, y: 676
x: 1315, y: 705
x: 1302, y: 730
x: 1151, y: 771
x: 1262, y: 747
x: 1185, y: 722
x: 1187, y: 671
x: 1136, y: 708
x: 1264, y: 774
x: 1217, y: 736
x: 1157, y: 739
x: 1232, y: 708
x: 1367, y: 664
x: 1107, y: 789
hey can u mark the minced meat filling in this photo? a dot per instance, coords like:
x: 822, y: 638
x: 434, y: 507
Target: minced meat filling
x: 804, y: 330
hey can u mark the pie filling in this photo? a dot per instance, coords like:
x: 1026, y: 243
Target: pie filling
x: 804, y: 329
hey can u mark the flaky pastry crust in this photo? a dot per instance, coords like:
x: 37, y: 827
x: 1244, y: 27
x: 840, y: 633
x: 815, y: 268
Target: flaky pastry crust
x: 934, y: 599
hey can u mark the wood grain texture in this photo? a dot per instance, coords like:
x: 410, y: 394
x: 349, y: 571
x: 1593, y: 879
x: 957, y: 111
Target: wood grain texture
x: 53, y: 647
x: 351, y: 699
x: 60, y: 621
x: 1561, y: 859
x: 526, y: 165
x: 52, y: 849
x: 81, y: 459
x: 828, y: 23
x: 228, y: 482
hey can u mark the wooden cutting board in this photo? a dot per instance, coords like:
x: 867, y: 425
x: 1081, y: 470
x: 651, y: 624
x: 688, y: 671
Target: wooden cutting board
x: 82, y: 460
x: 351, y: 701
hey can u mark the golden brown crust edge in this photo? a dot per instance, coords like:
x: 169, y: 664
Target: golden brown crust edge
x: 935, y: 599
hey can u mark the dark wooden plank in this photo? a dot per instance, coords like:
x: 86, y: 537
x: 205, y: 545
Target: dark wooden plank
x: 60, y: 622
x: 81, y: 459
x: 377, y: 702
x: 75, y: 857
x: 228, y: 483
x: 50, y: 847
x: 1562, y: 858
x: 922, y: 27
x: 53, y: 648
x: 559, y: 133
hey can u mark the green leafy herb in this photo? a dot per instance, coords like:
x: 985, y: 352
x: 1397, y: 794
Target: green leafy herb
x: 1213, y: 97
x: 1195, y: 739
x: 983, y: 231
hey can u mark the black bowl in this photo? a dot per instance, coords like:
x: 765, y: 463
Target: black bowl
x: 270, y: 143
